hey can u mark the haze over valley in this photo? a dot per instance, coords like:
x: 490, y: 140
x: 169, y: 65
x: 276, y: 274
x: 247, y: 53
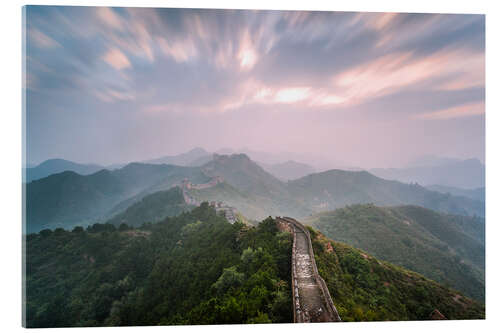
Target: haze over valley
x: 282, y: 189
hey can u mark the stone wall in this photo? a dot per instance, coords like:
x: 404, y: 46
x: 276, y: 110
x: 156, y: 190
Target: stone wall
x: 288, y: 224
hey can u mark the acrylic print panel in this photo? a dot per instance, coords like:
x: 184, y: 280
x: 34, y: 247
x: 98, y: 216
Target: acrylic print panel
x: 187, y: 166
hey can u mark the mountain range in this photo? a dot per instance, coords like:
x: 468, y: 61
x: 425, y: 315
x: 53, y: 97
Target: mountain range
x: 337, y: 188
x: 286, y: 170
x: 67, y: 198
x: 427, y: 170
x: 271, y: 163
x: 315, y: 161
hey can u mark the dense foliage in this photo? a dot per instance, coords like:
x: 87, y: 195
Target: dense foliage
x: 366, y: 289
x: 195, y: 268
x: 153, y: 208
x: 446, y: 248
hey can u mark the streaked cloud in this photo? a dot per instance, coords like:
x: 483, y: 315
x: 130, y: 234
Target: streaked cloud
x: 180, y: 51
x: 396, y: 71
x: 364, y: 70
x: 247, y: 54
x: 467, y: 110
x: 292, y: 95
x: 116, y: 59
x: 41, y: 39
x: 108, y: 17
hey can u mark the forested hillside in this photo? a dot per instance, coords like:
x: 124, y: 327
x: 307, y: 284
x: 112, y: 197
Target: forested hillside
x: 197, y: 268
x: 366, y: 289
x: 153, y: 208
x: 446, y: 248
x: 192, y: 269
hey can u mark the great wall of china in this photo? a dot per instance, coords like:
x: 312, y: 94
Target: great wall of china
x: 311, y: 299
x: 220, y: 207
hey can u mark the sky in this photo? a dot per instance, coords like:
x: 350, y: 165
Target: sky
x: 113, y: 85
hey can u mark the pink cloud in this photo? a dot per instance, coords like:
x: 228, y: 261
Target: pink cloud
x: 143, y: 39
x: 131, y: 36
x: 180, y: 51
x: 382, y: 76
x: 108, y: 17
x: 394, y: 72
x: 380, y: 21
x: 41, y: 39
x: 247, y: 54
x: 467, y: 110
x: 292, y: 95
x: 462, y: 82
x: 223, y: 57
x: 327, y: 99
x: 116, y: 59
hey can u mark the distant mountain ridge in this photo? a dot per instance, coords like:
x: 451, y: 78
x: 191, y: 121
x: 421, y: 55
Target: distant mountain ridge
x: 475, y: 194
x: 67, y: 199
x: 431, y: 161
x: 467, y: 174
x: 284, y: 171
x: 316, y: 161
x: 427, y: 170
x: 183, y: 159
x: 336, y: 188
x: 243, y: 173
x: 58, y: 165
x: 288, y: 170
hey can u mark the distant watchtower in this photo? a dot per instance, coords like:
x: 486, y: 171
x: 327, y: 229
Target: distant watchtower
x: 186, y: 184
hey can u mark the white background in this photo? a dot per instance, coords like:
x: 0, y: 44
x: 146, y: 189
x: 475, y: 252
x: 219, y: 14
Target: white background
x: 11, y: 148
